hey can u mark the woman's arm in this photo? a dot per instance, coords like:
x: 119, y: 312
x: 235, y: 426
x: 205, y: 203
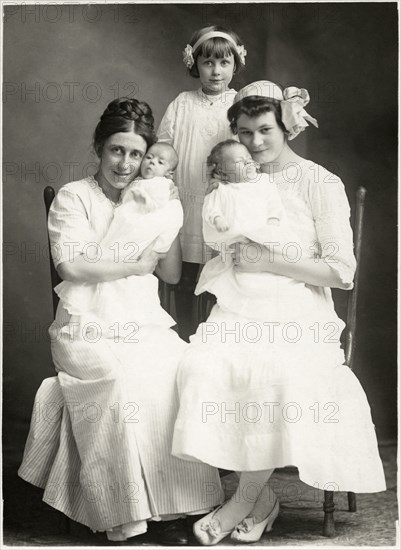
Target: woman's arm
x: 330, y: 211
x: 77, y: 254
x: 169, y: 267
x: 312, y: 271
x: 80, y: 270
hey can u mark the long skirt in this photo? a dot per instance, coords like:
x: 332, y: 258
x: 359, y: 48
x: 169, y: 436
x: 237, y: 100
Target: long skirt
x: 101, y: 432
x: 253, y: 399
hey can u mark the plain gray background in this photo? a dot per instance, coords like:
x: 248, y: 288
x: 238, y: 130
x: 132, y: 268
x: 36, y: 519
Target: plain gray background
x: 63, y: 64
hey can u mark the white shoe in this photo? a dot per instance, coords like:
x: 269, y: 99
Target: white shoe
x: 208, y: 529
x: 249, y: 531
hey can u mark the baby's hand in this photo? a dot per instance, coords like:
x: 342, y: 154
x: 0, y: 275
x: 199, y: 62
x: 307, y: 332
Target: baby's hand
x: 138, y: 196
x: 220, y: 224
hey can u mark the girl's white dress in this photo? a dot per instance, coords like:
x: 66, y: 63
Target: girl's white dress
x: 193, y: 123
x: 267, y: 387
x: 101, y: 431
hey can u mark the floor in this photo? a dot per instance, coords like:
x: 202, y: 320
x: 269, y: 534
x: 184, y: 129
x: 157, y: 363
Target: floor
x: 30, y: 522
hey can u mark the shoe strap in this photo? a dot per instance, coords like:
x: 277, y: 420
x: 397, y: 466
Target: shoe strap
x: 246, y: 525
x: 213, y: 527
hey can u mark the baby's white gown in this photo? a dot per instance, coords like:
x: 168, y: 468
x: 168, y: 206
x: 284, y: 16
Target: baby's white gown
x: 246, y: 206
x: 263, y: 383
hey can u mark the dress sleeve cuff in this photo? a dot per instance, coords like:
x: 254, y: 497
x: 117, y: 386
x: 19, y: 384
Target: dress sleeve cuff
x: 346, y: 274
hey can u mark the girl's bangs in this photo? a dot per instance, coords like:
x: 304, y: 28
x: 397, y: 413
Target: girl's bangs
x: 217, y: 47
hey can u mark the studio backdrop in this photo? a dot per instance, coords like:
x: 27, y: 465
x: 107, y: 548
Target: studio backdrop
x: 64, y: 63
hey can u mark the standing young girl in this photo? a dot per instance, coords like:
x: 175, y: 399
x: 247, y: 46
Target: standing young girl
x: 193, y: 123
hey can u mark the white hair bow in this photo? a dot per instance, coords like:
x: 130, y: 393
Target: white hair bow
x: 293, y: 114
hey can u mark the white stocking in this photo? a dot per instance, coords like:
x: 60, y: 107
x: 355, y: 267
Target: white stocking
x: 264, y: 504
x: 242, y: 502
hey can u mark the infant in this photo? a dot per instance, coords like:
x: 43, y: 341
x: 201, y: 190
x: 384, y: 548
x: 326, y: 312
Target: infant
x: 153, y: 189
x: 232, y: 163
x: 245, y: 206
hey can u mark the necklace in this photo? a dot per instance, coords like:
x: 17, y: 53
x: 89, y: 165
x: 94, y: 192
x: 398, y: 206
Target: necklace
x: 210, y: 99
x: 98, y: 189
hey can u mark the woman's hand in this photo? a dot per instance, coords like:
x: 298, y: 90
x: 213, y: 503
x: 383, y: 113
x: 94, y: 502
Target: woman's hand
x: 213, y: 184
x: 246, y: 255
x: 169, y: 267
x: 147, y: 261
x: 174, y: 191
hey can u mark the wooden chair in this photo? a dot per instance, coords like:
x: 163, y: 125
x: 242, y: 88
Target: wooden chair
x: 166, y: 291
x: 350, y: 345
x: 207, y: 301
x: 48, y: 196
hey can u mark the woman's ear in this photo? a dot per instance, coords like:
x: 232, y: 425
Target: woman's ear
x: 98, y: 150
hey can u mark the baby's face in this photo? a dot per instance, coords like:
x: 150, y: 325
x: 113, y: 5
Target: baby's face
x: 157, y: 162
x: 237, y: 164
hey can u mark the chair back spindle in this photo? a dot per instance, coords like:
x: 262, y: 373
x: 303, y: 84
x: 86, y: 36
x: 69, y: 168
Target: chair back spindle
x: 350, y: 341
x: 48, y: 196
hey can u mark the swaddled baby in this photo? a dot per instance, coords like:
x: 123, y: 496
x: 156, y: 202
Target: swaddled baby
x: 246, y: 206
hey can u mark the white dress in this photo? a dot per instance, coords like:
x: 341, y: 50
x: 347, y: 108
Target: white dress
x: 260, y: 392
x: 194, y: 124
x: 101, y: 432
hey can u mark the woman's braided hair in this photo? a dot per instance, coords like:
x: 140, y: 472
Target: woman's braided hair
x: 125, y: 115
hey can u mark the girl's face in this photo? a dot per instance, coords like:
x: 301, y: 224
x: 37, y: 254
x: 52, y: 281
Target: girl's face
x: 215, y: 73
x: 262, y: 136
x: 120, y: 161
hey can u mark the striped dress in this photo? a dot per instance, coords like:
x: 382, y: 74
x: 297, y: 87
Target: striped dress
x: 101, y: 430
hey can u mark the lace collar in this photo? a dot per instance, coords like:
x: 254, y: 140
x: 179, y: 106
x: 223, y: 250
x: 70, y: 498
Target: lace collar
x: 97, y: 188
x: 219, y: 99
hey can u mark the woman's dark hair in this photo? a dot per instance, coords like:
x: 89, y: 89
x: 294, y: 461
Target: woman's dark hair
x: 125, y: 115
x: 253, y: 106
x: 218, y: 47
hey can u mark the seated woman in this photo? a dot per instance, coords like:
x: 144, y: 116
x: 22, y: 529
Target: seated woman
x: 263, y: 385
x: 105, y: 460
